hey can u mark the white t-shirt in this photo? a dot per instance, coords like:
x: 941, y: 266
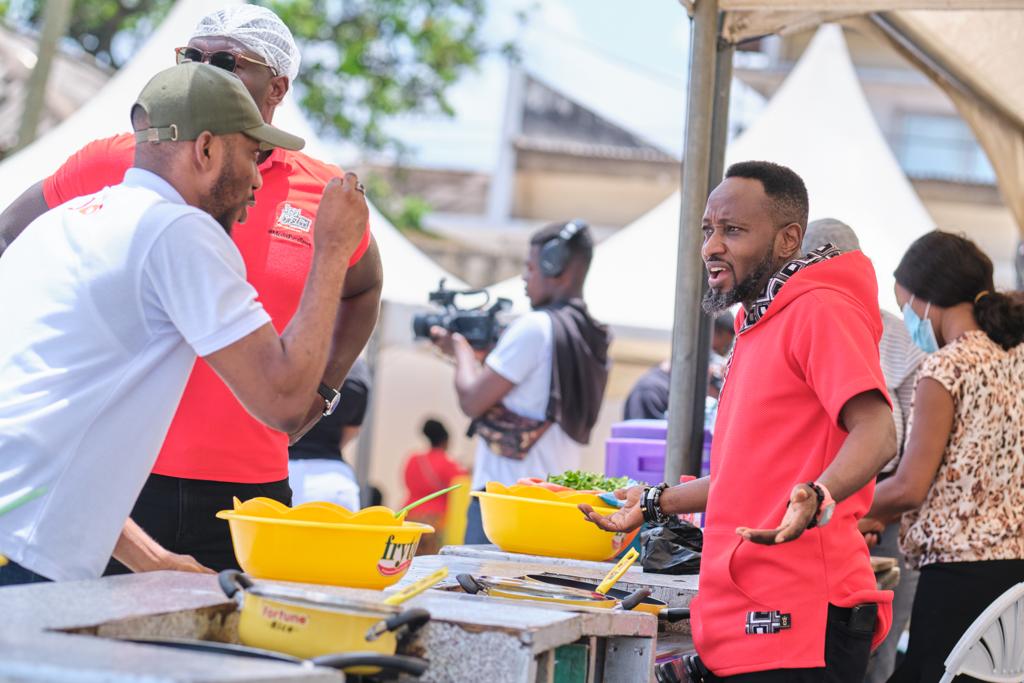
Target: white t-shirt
x: 523, y: 357
x: 106, y: 302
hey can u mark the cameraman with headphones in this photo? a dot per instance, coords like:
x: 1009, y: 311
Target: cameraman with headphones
x: 537, y: 394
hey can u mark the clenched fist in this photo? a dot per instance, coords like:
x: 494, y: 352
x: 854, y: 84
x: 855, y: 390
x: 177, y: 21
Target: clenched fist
x: 341, y: 217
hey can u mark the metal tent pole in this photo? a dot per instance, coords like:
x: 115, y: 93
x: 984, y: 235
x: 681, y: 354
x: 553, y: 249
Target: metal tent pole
x: 716, y: 169
x: 703, y: 158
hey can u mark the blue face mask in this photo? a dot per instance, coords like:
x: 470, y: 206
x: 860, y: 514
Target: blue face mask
x: 921, y: 330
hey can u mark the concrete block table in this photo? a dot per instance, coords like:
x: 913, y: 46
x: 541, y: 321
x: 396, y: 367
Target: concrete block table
x: 69, y: 632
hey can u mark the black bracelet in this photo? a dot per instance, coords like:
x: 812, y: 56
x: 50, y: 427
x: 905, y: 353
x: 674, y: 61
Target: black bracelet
x: 817, y: 508
x: 650, y: 505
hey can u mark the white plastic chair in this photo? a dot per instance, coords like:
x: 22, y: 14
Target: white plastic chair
x: 992, y: 648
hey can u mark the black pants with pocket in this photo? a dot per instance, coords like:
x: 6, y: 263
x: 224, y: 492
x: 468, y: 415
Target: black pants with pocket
x: 950, y: 596
x: 180, y: 514
x: 847, y: 649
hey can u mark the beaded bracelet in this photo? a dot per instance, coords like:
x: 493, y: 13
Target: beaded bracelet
x: 650, y: 505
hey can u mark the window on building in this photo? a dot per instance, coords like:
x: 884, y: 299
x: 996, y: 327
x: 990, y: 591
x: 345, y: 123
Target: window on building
x: 942, y: 147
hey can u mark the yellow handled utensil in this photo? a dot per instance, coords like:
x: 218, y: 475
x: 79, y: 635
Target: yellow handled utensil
x: 617, y: 571
x: 414, y: 589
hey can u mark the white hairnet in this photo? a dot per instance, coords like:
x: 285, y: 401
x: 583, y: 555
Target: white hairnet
x: 259, y: 30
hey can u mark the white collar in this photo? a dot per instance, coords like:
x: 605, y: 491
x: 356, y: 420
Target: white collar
x: 140, y: 177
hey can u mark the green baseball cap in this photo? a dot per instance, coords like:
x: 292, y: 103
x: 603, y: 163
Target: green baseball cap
x: 187, y: 99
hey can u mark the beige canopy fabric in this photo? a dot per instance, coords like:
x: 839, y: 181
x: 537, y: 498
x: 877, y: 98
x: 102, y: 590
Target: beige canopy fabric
x: 976, y: 58
x: 973, y: 49
x: 752, y: 18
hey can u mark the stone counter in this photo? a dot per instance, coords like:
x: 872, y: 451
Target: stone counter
x: 68, y: 631
x: 46, y: 633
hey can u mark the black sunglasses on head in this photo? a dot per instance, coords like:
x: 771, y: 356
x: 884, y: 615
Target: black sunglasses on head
x: 222, y: 59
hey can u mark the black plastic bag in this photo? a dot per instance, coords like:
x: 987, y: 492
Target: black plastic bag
x: 671, y: 549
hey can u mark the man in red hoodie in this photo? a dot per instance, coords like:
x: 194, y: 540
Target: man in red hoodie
x: 804, y: 424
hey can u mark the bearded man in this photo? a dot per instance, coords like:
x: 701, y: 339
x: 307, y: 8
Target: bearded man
x: 804, y: 425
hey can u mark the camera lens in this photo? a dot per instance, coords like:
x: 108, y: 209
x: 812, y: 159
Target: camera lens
x: 422, y: 322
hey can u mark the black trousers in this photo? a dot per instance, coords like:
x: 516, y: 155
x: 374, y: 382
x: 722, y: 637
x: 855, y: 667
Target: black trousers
x: 847, y: 649
x: 180, y: 515
x: 950, y: 596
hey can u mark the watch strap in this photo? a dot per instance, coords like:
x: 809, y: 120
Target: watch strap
x: 326, y: 392
x: 330, y: 395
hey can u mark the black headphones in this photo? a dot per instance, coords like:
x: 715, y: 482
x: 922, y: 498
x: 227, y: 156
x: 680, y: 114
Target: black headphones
x: 554, y: 255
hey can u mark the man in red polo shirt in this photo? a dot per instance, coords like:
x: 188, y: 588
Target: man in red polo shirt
x: 215, y: 450
x: 804, y: 425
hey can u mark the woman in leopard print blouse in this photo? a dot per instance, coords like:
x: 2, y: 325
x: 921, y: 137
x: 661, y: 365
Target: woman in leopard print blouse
x: 960, y: 485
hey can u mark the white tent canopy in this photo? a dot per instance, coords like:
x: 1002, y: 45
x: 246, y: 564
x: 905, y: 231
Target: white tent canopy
x: 409, y: 274
x: 820, y: 125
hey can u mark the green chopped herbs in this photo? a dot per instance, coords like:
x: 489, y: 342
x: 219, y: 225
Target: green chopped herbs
x: 588, y: 481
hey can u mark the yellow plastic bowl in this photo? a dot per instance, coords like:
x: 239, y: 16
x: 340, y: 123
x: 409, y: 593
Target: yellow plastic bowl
x: 551, y: 528
x: 293, y: 545
x: 541, y: 493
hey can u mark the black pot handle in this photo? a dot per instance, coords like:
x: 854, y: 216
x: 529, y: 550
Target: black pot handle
x: 414, y: 618
x: 231, y: 580
x: 469, y: 584
x: 673, y: 614
x: 412, y: 666
x: 635, y: 598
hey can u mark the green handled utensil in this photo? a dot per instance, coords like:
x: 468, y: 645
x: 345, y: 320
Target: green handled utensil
x: 18, y: 502
x: 401, y: 513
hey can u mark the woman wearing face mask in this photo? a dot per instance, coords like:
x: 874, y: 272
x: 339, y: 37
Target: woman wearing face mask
x: 960, y: 484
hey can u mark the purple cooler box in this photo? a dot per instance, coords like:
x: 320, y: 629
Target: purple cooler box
x: 636, y: 449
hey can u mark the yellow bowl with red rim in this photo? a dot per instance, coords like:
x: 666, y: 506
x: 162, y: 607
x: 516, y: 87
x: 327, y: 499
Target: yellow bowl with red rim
x: 322, y: 543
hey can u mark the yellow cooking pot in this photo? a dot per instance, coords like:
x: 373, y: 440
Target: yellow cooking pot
x: 308, y: 624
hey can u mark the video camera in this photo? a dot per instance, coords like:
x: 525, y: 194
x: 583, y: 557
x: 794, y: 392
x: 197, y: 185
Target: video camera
x: 481, y: 327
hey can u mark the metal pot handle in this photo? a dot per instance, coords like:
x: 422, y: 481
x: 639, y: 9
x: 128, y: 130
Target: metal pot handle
x: 469, y: 584
x: 231, y: 580
x: 412, y: 666
x: 674, y: 614
x: 635, y: 598
x: 414, y: 619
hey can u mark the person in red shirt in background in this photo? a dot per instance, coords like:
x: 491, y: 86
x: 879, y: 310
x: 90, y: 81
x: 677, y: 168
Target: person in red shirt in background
x: 428, y: 472
x: 215, y: 450
x: 804, y: 425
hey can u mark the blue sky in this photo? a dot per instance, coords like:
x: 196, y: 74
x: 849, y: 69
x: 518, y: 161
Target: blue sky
x: 651, y: 34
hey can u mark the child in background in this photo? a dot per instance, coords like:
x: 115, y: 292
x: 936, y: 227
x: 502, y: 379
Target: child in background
x: 425, y: 473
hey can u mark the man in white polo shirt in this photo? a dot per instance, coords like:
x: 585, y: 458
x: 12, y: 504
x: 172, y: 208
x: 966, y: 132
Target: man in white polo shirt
x: 109, y: 298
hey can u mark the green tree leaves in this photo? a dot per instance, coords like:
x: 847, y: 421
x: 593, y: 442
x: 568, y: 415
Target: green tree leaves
x: 364, y: 61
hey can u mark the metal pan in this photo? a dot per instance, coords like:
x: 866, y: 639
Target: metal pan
x: 523, y: 589
x: 650, y: 605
